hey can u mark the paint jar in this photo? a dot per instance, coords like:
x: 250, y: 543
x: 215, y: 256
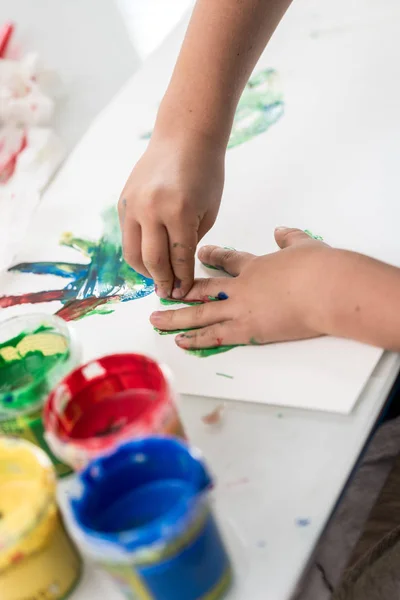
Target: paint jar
x: 142, y: 513
x: 107, y: 402
x: 37, y: 558
x: 36, y: 351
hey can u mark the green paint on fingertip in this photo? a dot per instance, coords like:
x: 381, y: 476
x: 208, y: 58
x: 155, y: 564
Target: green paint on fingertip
x: 313, y: 236
x: 253, y: 342
x: 225, y: 375
x: 171, y: 302
x: 171, y: 332
x: 210, y: 267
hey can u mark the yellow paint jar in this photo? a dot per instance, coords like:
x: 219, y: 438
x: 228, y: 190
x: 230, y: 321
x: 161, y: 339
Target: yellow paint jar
x: 37, y: 559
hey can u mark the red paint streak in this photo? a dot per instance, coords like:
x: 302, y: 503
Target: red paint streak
x: 219, y: 341
x: 76, y: 309
x: 34, y: 298
x: 5, y: 36
x: 8, y: 167
x: 34, y: 107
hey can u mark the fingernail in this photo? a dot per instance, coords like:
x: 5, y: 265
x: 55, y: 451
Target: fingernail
x: 179, y: 338
x: 177, y: 283
x: 281, y: 228
x: 177, y: 294
x: 156, y: 316
x: 161, y: 293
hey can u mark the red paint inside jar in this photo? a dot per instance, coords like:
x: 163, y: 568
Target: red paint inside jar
x: 116, y: 397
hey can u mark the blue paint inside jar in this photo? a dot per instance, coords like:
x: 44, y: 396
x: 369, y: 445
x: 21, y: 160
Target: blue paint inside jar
x: 143, y: 511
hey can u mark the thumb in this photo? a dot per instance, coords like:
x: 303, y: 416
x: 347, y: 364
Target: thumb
x: 286, y: 237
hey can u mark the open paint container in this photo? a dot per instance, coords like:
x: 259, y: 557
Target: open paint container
x: 142, y: 513
x: 37, y: 558
x: 106, y: 402
x: 36, y: 351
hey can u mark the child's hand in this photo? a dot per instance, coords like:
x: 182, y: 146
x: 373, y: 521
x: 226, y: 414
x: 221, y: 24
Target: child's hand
x: 270, y: 298
x: 169, y: 202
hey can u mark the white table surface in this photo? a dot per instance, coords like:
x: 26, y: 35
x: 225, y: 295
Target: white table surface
x: 272, y: 465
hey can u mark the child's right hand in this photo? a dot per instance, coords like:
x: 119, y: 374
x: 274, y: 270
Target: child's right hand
x: 169, y: 202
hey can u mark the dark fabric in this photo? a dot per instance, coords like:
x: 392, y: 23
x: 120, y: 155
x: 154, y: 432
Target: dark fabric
x: 377, y: 575
x: 393, y: 409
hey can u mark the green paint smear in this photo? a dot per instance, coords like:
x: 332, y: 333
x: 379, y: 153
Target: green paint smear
x: 312, y: 235
x: 253, y: 342
x: 204, y: 352
x: 260, y: 106
x: 225, y: 375
x: 172, y: 331
x: 200, y: 352
x: 172, y: 302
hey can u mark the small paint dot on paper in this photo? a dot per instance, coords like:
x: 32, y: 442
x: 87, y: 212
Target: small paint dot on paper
x: 261, y: 543
x: 280, y: 416
x: 303, y: 522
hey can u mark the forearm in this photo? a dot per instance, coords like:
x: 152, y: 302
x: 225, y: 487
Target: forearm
x: 223, y: 43
x: 362, y: 301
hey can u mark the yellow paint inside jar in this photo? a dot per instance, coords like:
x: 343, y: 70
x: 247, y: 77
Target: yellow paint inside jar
x: 37, y: 559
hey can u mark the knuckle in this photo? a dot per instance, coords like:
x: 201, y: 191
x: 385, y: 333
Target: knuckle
x: 154, y: 263
x: 131, y: 257
x: 199, y: 311
x: 290, y: 234
x: 228, y: 255
x: 169, y: 317
x: 204, y: 286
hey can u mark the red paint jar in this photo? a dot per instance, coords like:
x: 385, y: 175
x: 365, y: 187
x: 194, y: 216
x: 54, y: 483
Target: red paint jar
x: 106, y: 402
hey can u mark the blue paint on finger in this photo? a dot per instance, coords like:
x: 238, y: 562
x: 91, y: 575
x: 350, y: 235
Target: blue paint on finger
x: 222, y: 296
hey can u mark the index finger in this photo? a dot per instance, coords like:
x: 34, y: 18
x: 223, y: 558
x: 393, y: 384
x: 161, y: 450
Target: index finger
x: 182, y: 248
x: 155, y: 254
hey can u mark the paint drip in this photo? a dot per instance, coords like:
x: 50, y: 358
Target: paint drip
x: 143, y: 515
x: 37, y: 558
x: 36, y: 351
x: 113, y: 399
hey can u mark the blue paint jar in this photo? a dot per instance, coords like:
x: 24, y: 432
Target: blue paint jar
x: 143, y: 514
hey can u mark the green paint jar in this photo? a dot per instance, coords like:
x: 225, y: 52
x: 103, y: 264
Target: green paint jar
x: 36, y: 352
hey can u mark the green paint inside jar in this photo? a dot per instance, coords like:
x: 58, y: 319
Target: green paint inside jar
x: 31, y: 362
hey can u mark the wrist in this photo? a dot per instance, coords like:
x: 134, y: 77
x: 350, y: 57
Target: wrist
x: 332, y: 291
x: 186, y: 117
x: 185, y: 138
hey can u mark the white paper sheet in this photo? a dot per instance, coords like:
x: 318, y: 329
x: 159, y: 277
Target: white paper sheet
x: 329, y: 164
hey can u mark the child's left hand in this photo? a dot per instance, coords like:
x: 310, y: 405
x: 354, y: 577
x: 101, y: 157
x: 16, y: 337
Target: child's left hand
x: 271, y: 298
